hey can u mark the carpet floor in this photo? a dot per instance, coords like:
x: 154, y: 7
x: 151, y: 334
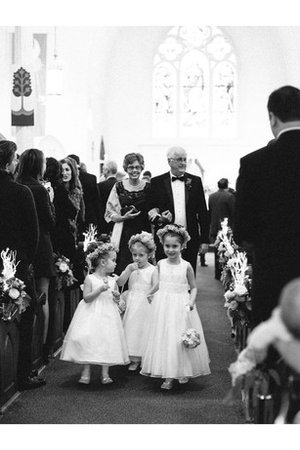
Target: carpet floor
x: 133, y: 398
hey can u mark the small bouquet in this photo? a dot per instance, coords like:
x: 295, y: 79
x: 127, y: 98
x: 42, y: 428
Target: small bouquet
x: 191, y: 338
x: 13, y: 298
x: 64, y: 277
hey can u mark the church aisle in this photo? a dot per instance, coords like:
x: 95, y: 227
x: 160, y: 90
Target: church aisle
x: 133, y: 398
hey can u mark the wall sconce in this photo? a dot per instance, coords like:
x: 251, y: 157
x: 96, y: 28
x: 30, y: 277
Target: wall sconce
x: 55, y: 73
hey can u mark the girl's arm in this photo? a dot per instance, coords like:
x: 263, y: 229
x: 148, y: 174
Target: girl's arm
x: 126, y: 274
x: 193, y: 287
x: 154, y: 284
x: 88, y: 294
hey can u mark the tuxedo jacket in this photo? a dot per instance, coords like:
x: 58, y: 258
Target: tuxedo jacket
x: 161, y: 197
x: 268, y: 216
x: 105, y: 187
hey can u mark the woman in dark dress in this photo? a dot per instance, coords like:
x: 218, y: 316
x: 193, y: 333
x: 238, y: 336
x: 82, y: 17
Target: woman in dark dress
x: 126, y: 207
x: 69, y: 209
x: 32, y: 165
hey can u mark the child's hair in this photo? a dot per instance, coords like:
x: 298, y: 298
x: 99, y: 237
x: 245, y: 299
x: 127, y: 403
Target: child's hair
x: 144, y: 238
x: 98, y: 250
x: 175, y: 231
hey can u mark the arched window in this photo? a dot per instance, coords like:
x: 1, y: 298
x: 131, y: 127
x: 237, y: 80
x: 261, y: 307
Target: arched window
x: 194, y: 84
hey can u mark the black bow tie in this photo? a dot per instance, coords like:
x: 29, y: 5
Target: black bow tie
x: 178, y: 178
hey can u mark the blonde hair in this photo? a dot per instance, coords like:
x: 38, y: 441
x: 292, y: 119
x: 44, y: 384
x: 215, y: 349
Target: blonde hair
x: 101, y: 251
x: 145, y: 239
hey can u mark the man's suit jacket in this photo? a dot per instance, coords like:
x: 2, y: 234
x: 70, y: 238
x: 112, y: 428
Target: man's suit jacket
x: 104, y: 188
x: 268, y: 216
x: 220, y: 205
x: 94, y: 211
x: 161, y: 197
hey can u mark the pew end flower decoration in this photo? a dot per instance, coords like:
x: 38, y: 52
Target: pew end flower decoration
x: 13, y: 297
x: 89, y: 236
x: 64, y: 274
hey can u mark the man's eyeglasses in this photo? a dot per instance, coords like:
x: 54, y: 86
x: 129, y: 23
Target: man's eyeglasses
x: 179, y: 160
x: 134, y: 167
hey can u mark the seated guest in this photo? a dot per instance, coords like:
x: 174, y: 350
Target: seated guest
x: 32, y: 167
x: 109, y: 171
x: 19, y: 231
x: 94, y: 209
x: 126, y: 208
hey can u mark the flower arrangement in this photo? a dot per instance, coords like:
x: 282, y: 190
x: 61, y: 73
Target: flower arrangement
x: 236, y: 279
x: 89, y: 236
x: 64, y: 273
x: 13, y: 297
x: 191, y: 338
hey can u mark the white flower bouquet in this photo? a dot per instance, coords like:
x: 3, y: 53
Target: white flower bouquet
x: 13, y: 298
x: 191, y: 338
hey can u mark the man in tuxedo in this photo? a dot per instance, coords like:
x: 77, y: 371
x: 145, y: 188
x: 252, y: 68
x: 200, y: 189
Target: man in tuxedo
x: 268, y: 204
x: 178, y: 197
x: 109, y: 171
x: 220, y: 205
x: 94, y: 209
x: 19, y: 231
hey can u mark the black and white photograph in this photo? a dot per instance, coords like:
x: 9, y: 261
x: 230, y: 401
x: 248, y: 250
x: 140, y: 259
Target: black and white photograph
x: 149, y: 220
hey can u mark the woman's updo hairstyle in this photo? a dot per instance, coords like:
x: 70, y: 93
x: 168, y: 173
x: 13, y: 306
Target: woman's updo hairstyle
x: 131, y: 158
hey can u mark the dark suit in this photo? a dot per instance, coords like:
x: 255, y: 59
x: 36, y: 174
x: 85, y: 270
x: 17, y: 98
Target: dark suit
x: 268, y: 217
x: 19, y: 230
x: 220, y: 205
x: 104, y: 188
x: 94, y: 210
x: 161, y: 197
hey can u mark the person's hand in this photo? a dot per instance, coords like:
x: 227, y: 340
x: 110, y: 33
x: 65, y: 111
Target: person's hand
x: 203, y: 249
x: 167, y: 216
x: 152, y: 214
x: 132, y: 267
x: 116, y: 296
x: 105, y: 285
x: 150, y: 298
x: 190, y: 305
x: 130, y: 214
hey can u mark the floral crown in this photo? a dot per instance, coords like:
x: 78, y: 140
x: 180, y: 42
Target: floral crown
x: 144, y: 238
x: 98, y: 250
x: 174, y: 229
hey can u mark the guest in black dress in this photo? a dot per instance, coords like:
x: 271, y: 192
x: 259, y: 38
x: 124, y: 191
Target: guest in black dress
x: 126, y: 207
x: 70, y: 212
x: 32, y: 166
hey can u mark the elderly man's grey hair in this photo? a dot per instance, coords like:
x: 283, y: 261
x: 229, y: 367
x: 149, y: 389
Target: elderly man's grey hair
x: 174, y: 151
x: 111, y: 167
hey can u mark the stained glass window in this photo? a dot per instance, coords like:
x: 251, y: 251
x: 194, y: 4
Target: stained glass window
x: 194, y: 84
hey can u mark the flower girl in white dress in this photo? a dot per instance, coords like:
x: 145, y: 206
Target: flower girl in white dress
x: 173, y: 313
x: 142, y: 277
x: 95, y: 334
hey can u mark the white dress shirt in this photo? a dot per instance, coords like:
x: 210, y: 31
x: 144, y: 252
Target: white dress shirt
x: 178, y: 189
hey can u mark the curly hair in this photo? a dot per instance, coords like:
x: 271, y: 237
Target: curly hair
x: 145, y: 239
x: 176, y: 231
x: 97, y: 251
x: 131, y: 158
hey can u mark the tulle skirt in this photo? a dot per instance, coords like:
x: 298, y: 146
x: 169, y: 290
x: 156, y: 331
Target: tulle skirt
x: 165, y: 355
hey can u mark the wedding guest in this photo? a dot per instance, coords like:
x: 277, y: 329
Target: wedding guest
x: 147, y: 175
x: 178, y: 197
x: 32, y: 166
x: 126, y: 207
x: 109, y: 171
x: 267, y: 204
x: 69, y: 209
x: 120, y: 176
x: 52, y: 172
x: 94, y: 208
x: 220, y: 205
x: 19, y: 231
